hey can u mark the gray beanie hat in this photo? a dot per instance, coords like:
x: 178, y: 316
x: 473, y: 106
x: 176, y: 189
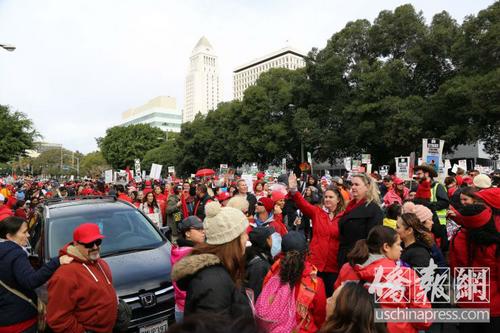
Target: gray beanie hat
x: 223, y: 224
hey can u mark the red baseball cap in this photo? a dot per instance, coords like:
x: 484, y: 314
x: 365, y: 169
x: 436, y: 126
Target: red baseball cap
x: 267, y: 203
x: 223, y: 196
x: 87, y: 233
x: 398, y: 181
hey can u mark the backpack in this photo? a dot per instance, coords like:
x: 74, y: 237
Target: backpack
x: 275, y: 310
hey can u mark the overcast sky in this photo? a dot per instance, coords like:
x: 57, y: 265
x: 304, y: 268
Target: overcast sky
x: 79, y: 64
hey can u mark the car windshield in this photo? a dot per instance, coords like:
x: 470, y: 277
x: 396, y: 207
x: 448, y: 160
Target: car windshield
x: 125, y: 228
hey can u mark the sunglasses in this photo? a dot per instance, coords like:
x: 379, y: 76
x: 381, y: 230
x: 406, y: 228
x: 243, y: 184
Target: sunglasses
x: 260, y: 204
x: 90, y: 245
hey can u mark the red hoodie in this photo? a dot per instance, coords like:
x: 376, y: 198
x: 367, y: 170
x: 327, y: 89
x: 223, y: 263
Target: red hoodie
x: 81, y: 296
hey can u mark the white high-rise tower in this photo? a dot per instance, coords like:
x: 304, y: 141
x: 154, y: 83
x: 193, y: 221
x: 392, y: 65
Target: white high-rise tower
x: 203, y: 84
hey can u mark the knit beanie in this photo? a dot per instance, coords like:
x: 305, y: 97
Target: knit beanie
x: 482, y: 181
x: 223, y: 224
x: 423, y: 213
x: 408, y: 207
x: 240, y: 203
x: 277, y: 195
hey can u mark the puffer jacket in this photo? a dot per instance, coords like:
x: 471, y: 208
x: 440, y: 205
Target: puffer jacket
x: 17, y: 273
x: 209, y: 287
x: 413, y: 292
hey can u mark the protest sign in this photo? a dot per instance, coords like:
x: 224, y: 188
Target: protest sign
x: 171, y: 169
x: 462, y: 164
x: 356, y: 166
x: 432, y: 152
x: 347, y: 163
x: 249, y: 180
x: 155, y: 172
x: 384, y: 170
x: 403, y: 167
x: 108, y: 176
x: 137, y: 165
x: 455, y: 168
x: 365, y: 159
x: 283, y: 165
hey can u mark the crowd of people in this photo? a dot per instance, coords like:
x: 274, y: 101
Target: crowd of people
x: 274, y: 255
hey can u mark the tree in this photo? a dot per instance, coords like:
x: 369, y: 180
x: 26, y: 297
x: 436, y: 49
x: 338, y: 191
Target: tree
x: 93, y: 164
x: 49, y: 162
x: 18, y: 134
x: 122, y: 144
x: 167, y: 154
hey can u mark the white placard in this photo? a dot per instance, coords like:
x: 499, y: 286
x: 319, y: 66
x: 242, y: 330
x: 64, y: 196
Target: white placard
x: 455, y: 168
x: 137, y: 165
x: 432, y: 153
x: 462, y: 164
x: 249, y: 180
x: 403, y: 167
x: 155, y: 172
x: 108, y: 176
x: 347, y: 164
x: 171, y: 169
x: 384, y: 170
x: 366, y: 158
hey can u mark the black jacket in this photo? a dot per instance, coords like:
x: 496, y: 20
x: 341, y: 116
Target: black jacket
x: 209, y: 287
x: 17, y: 272
x: 416, y: 255
x: 258, y: 264
x: 199, y: 206
x: 355, y: 225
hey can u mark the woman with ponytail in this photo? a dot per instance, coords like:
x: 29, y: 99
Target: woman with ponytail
x: 361, y: 214
x: 417, y: 240
x: 381, y: 250
x: 293, y: 297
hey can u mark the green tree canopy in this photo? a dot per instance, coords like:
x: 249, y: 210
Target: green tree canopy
x: 93, y: 164
x: 18, y: 134
x: 122, y: 144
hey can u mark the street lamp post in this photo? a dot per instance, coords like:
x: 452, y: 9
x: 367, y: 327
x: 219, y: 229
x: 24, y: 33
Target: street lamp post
x: 8, y: 47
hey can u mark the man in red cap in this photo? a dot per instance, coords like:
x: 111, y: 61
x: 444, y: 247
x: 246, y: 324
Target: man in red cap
x: 81, y: 294
x: 265, y: 215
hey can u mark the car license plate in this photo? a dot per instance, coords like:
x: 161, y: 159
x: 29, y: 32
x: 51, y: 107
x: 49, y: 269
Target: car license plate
x: 160, y: 327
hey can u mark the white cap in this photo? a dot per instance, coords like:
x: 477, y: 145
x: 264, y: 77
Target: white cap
x: 482, y: 181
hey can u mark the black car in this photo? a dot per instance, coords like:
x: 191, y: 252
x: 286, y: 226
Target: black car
x: 137, y: 252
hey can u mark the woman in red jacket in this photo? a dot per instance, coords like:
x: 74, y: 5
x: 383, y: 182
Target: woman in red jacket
x: 325, y: 240
x: 477, y: 245
x: 381, y: 250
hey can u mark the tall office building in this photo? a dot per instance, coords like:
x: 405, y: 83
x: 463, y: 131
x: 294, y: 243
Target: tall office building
x: 246, y: 75
x: 203, y: 84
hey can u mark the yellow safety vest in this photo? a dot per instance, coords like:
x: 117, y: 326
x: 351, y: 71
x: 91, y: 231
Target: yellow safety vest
x: 440, y: 213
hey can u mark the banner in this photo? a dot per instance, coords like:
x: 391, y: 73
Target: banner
x: 347, y: 163
x: 403, y: 167
x: 432, y: 152
x: 137, y: 167
x: 155, y: 172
